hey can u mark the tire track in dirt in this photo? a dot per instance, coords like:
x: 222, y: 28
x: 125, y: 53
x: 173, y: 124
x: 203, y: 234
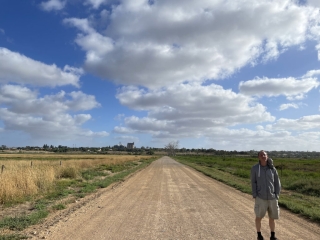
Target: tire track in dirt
x: 168, y: 200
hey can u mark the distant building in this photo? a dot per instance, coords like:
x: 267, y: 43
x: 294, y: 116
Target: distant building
x: 130, y: 145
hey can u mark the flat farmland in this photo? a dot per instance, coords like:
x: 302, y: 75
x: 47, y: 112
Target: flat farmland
x: 35, y: 186
x: 168, y: 200
x: 300, y: 178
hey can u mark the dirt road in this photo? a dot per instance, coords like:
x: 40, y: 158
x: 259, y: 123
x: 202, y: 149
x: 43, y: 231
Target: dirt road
x: 168, y: 200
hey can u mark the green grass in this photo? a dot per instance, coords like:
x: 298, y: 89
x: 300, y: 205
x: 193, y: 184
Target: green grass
x: 90, y: 174
x: 12, y: 237
x: 21, y: 222
x: 61, y: 189
x: 58, y: 206
x: 86, y: 187
x: 300, y: 179
x: 118, y: 168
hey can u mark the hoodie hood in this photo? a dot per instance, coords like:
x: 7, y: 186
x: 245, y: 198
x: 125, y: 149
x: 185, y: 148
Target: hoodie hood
x: 269, y: 164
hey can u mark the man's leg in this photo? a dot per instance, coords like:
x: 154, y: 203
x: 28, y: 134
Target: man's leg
x: 258, y: 227
x: 260, y: 209
x: 272, y: 224
x: 258, y: 224
x: 273, y: 212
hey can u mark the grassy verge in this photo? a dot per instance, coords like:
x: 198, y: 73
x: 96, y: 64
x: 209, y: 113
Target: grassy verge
x: 12, y: 237
x: 300, y: 179
x: 71, y: 186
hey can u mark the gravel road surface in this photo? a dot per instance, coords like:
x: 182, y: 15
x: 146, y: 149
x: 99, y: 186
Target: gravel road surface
x: 168, y: 200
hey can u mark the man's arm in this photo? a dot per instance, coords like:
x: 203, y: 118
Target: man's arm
x: 277, y: 184
x: 253, y: 183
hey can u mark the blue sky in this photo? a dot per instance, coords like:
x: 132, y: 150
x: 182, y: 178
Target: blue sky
x: 232, y: 75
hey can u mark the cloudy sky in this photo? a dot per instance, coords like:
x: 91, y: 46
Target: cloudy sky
x: 222, y: 74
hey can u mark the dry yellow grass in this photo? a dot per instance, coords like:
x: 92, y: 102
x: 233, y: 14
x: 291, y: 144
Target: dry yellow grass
x: 18, y: 181
x: 27, y: 175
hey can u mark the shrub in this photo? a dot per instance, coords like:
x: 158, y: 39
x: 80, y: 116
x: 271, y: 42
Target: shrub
x: 68, y: 172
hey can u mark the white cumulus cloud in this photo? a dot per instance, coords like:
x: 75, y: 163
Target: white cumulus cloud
x: 164, y: 42
x: 312, y: 73
x: 300, y: 124
x: 189, y: 109
x: 53, y: 5
x: 96, y: 3
x: 17, y: 68
x: 21, y: 109
x: 314, y: 3
x: 290, y: 87
x: 288, y: 105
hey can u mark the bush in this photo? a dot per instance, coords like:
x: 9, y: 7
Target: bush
x: 69, y: 172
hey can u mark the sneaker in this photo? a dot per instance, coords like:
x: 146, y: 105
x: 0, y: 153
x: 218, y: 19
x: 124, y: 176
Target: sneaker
x: 260, y: 238
x: 273, y: 238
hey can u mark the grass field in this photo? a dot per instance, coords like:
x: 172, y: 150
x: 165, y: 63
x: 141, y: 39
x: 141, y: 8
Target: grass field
x: 45, y: 180
x: 24, y: 176
x: 300, y: 179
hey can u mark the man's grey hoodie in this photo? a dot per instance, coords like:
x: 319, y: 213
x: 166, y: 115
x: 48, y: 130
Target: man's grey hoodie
x: 265, y: 181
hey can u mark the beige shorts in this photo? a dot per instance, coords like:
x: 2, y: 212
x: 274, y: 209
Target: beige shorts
x: 262, y: 206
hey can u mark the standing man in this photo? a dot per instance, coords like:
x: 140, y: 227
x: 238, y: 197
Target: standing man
x: 266, y: 188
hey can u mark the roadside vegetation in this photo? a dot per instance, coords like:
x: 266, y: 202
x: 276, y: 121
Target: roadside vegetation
x: 300, y: 178
x: 49, y: 182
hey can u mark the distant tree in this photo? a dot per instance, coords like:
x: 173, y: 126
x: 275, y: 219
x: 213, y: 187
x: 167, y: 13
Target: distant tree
x: 150, y: 152
x: 45, y: 146
x: 83, y: 149
x: 171, y: 148
x: 183, y: 150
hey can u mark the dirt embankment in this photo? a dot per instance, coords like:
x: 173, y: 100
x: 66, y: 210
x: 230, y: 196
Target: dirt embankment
x: 168, y: 200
